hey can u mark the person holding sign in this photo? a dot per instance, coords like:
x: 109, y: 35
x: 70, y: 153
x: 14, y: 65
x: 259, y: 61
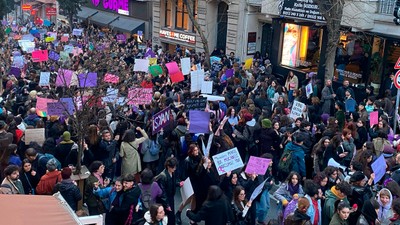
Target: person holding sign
x: 240, y: 206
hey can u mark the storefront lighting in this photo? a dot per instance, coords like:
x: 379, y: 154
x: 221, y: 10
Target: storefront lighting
x: 304, y: 42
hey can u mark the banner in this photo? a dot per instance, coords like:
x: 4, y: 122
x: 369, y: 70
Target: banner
x: 161, y: 120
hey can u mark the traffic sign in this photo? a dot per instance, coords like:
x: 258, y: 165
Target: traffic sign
x: 397, y: 65
x: 396, y: 80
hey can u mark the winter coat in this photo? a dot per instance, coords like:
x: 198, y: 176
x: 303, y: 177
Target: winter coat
x: 217, y: 212
x: 29, y: 182
x: 147, y: 217
x: 311, y: 210
x: 104, y: 193
x: 238, y: 214
x: 130, y: 155
x: 329, y: 207
x: 70, y: 193
x: 298, y: 218
x: 130, y: 198
x: 108, y: 151
x: 47, y: 183
x: 298, y: 162
x: 268, y: 138
x: 385, y: 212
x: 283, y: 193
x: 336, y: 220
x: 167, y: 183
x: 67, y: 153
x: 327, y: 99
x: 16, y: 187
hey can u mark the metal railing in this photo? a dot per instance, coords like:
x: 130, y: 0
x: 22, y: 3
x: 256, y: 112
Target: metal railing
x: 386, y: 6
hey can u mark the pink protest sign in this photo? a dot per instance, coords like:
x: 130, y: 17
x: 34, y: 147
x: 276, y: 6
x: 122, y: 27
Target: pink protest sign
x: 41, y: 103
x: 257, y: 165
x: 40, y: 55
x: 373, y: 118
x: 64, y: 77
x: 64, y: 38
x: 140, y: 96
x: 111, y: 78
x: 172, y: 68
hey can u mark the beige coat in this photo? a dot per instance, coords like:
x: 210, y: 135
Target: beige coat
x: 130, y: 156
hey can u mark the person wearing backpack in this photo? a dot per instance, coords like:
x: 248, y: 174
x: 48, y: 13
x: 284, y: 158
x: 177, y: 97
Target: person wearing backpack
x: 293, y: 157
x: 151, y: 192
x: 150, y: 150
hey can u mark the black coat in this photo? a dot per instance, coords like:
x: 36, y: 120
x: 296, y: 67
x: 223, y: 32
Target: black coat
x: 217, y: 212
x: 70, y: 193
x: 130, y: 199
x: 29, y: 181
x: 268, y: 138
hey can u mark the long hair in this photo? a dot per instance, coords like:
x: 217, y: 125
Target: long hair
x: 93, y: 136
x: 236, y: 193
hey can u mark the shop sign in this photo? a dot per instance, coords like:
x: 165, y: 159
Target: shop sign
x: 251, y: 43
x: 301, y: 9
x: 349, y: 74
x: 178, y: 36
x: 123, y: 12
x: 51, y: 11
x: 26, y: 7
x: 114, y: 5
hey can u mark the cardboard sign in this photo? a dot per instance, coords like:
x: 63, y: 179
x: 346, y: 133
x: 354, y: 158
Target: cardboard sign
x: 161, y: 120
x: 199, y: 121
x: 140, y: 96
x: 174, y: 72
x: 229, y: 73
x: 257, y: 165
x: 195, y: 104
x: 56, y: 109
x: 227, y: 161
x: 297, y: 110
x: 64, y: 39
x: 309, y: 90
x: 121, y: 38
x: 141, y: 65
x: 44, y: 79
x: 185, y: 66
x: 206, y: 87
x: 186, y: 190
x: 111, y: 78
x: 257, y: 190
x: 35, y: 135
x: 41, y: 103
x: 196, y: 80
x: 40, y: 56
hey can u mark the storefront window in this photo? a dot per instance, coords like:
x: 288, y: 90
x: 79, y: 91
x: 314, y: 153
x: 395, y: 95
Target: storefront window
x: 301, y: 47
x: 168, y: 13
x: 352, y: 58
x: 181, y: 15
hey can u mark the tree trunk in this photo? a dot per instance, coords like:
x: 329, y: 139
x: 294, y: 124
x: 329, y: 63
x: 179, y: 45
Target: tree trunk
x: 199, y: 31
x: 331, y: 54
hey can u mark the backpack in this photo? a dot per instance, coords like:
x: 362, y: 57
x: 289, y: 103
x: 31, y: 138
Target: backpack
x: 154, y: 148
x: 146, y: 198
x: 44, y: 158
x: 285, y: 162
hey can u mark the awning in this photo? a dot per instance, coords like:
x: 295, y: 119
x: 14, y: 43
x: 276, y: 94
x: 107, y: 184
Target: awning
x: 129, y: 25
x: 86, y: 13
x: 103, y: 18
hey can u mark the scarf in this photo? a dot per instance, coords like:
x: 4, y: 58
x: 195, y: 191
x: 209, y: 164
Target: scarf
x: 293, y: 189
x: 336, y: 193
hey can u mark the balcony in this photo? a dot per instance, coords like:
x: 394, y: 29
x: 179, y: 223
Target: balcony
x: 386, y: 7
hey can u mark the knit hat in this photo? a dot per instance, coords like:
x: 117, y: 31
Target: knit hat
x: 388, y: 151
x: 247, y: 117
x: 51, y: 165
x: 66, y: 173
x: 303, y: 204
x: 66, y: 136
x: 357, y: 176
x: 266, y: 123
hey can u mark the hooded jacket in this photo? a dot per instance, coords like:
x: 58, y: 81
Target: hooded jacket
x: 298, y: 163
x: 147, y: 217
x: 385, y: 212
x: 329, y: 207
x: 70, y: 193
x: 298, y: 218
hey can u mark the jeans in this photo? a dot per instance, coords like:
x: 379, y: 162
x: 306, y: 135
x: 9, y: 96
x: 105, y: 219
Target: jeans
x: 263, y: 206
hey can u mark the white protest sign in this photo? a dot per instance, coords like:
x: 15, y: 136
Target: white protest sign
x: 309, y: 90
x: 227, y: 161
x: 213, y: 98
x: 141, y: 65
x: 111, y: 96
x: 206, y: 87
x: 186, y: 190
x: 185, y: 66
x: 44, y: 79
x: 257, y: 191
x: 77, y: 32
x: 196, y: 79
x: 297, y: 109
x: 36, y: 135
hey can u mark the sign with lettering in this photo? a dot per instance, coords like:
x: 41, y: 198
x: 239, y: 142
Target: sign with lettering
x: 119, y: 6
x: 178, y: 36
x: 257, y: 165
x: 227, y: 161
x: 195, y: 104
x: 140, y: 96
x: 297, y: 110
x: 301, y: 9
x: 161, y: 119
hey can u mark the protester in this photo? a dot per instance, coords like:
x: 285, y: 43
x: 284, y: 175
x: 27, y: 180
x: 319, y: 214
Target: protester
x: 68, y: 189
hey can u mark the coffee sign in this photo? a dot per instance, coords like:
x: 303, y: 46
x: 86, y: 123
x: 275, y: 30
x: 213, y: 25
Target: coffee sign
x: 301, y: 9
x: 178, y: 36
x: 114, y: 5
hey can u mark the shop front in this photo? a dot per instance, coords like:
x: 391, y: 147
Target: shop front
x: 170, y: 39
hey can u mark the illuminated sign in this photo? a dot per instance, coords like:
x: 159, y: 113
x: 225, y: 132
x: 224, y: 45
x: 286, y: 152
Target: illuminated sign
x: 178, y: 36
x: 119, y: 6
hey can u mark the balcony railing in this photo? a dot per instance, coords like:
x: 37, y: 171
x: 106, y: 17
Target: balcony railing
x: 386, y: 6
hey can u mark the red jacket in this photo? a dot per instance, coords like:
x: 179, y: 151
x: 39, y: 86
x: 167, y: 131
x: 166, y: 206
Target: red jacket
x: 47, y: 182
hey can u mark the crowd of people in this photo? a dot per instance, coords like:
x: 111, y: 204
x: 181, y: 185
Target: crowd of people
x: 321, y: 162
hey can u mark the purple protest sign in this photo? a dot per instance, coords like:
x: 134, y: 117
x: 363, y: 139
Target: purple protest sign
x: 150, y: 53
x: 161, y: 119
x: 199, y: 121
x: 15, y: 71
x: 55, y: 109
x: 87, y: 80
x: 257, y: 165
x: 121, y: 38
x: 64, y: 78
x: 68, y: 105
x: 54, y: 56
x: 229, y: 73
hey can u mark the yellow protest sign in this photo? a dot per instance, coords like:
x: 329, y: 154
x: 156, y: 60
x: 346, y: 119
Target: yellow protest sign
x: 248, y: 63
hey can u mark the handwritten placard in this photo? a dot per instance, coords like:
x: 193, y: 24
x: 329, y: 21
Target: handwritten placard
x: 161, y: 119
x: 140, y: 96
x: 44, y: 79
x: 257, y: 165
x: 111, y: 78
x: 297, y: 110
x: 56, y: 109
x: 40, y: 56
x: 379, y: 168
x: 34, y: 135
x: 195, y: 104
x: 141, y: 65
x: 227, y: 161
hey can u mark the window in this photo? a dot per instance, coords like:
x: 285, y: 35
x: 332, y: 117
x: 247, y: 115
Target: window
x: 168, y: 13
x: 301, y: 47
x: 181, y: 16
